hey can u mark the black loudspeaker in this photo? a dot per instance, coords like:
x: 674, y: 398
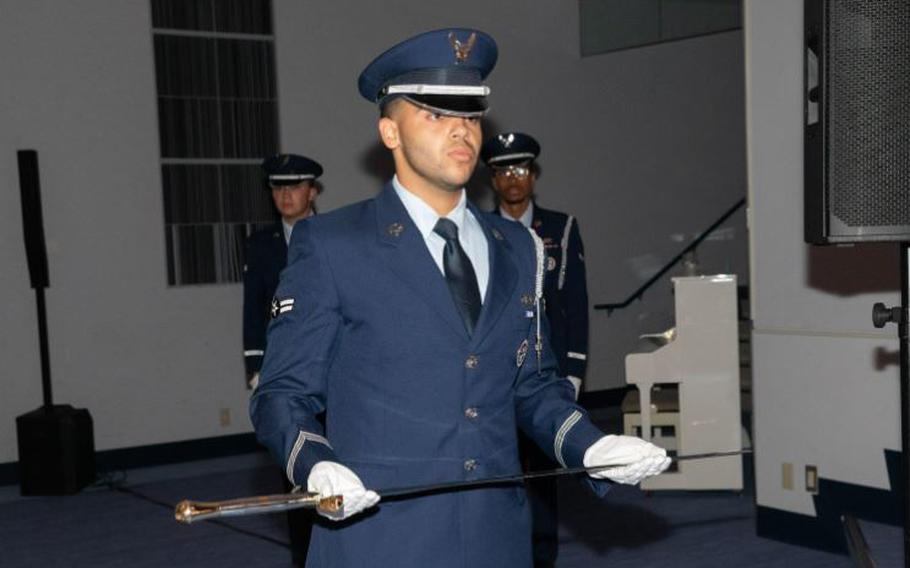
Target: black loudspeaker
x: 56, y: 442
x: 857, y: 121
x: 32, y: 220
x: 56, y: 450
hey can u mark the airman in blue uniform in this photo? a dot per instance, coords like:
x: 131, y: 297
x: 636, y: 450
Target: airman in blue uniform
x: 511, y: 158
x: 414, y: 321
x: 291, y: 178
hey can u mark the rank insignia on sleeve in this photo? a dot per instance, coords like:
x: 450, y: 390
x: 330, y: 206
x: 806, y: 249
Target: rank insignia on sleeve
x: 281, y: 306
x: 521, y: 353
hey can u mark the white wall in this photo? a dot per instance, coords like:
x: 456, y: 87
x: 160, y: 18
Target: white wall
x: 825, y: 380
x: 642, y: 145
x: 151, y: 363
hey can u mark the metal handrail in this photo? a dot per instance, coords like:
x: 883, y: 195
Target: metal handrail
x: 637, y: 294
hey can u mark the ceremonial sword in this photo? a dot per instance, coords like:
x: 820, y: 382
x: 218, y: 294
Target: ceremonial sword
x: 188, y: 512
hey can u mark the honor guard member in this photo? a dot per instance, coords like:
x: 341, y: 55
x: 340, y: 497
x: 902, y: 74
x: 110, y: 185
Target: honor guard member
x: 511, y: 158
x: 413, y: 320
x: 291, y: 179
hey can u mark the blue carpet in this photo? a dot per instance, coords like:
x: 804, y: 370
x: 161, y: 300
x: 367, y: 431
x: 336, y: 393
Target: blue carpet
x: 105, y: 527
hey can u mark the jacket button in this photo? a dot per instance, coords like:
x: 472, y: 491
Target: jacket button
x: 470, y: 465
x: 470, y: 413
x: 471, y: 362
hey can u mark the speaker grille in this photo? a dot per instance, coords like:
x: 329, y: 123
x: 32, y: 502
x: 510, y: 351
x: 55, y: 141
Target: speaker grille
x: 868, y: 116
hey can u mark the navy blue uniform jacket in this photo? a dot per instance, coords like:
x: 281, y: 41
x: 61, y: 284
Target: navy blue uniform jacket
x: 368, y: 332
x: 266, y: 256
x: 565, y: 288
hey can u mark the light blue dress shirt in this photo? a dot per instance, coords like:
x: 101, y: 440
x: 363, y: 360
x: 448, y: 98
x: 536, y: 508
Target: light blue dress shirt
x: 470, y: 233
x: 525, y: 218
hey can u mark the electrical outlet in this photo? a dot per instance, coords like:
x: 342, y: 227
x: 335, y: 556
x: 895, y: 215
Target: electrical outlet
x: 812, y: 479
x: 225, y: 416
x: 787, y: 476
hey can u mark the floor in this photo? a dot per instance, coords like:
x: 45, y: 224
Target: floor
x: 128, y: 521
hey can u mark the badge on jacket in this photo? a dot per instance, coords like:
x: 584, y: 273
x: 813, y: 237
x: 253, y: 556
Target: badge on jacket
x: 521, y: 354
x: 281, y: 306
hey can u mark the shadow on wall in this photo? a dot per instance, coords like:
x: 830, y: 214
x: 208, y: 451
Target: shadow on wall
x: 852, y: 270
x: 883, y: 358
x: 377, y: 162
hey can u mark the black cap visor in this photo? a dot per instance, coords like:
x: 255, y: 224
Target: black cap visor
x: 287, y: 182
x: 524, y: 159
x: 451, y: 105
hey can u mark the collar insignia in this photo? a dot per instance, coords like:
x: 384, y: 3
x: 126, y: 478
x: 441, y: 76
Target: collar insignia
x: 395, y: 229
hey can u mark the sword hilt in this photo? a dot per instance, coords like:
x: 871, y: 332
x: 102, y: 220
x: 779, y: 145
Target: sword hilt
x: 187, y: 512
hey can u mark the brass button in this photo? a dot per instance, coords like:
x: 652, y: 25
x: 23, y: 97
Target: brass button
x: 470, y: 413
x: 470, y: 465
x: 471, y: 362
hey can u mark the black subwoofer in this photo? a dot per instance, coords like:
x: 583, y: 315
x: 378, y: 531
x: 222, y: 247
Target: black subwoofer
x: 857, y: 121
x: 56, y: 450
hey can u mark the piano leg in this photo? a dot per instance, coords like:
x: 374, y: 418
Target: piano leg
x: 644, y: 409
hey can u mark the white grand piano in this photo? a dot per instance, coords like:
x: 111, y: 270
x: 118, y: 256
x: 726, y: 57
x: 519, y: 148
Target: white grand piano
x: 688, y: 377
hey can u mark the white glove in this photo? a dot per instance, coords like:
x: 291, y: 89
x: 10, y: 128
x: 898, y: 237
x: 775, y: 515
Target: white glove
x: 331, y: 479
x: 576, y: 382
x: 631, y: 459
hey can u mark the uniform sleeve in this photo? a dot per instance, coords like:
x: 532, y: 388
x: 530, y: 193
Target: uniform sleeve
x: 255, y: 308
x: 302, y: 338
x: 546, y: 410
x: 576, y: 302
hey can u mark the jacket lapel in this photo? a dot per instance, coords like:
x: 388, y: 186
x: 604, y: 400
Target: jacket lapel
x: 536, y: 221
x: 502, y: 281
x: 406, y: 254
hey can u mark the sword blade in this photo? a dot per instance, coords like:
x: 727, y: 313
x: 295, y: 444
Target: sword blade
x: 413, y: 491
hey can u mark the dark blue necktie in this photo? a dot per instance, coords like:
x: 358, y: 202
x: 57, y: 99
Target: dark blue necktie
x: 459, y: 274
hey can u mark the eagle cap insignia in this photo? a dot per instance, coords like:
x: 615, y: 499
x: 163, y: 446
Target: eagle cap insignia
x: 285, y: 159
x: 506, y: 141
x: 462, y: 50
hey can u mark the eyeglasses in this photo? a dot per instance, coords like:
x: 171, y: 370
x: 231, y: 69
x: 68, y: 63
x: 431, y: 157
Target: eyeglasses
x: 512, y: 171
